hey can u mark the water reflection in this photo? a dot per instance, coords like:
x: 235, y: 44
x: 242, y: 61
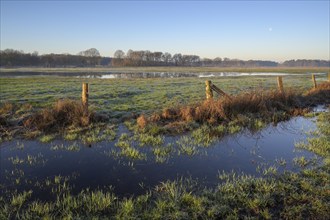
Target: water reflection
x: 132, y: 75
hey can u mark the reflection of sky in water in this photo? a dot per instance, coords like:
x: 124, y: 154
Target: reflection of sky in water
x: 92, y: 167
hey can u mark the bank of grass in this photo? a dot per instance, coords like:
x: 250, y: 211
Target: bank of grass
x: 303, y: 195
x: 65, y: 117
x: 252, y: 110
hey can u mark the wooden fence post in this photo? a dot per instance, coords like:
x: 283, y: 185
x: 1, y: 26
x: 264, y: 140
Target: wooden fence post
x: 328, y: 76
x: 208, y: 90
x: 84, y: 97
x: 314, y: 81
x: 280, y: 84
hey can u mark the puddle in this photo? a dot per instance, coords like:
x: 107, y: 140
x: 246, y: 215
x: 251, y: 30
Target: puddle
x: 33, y: 165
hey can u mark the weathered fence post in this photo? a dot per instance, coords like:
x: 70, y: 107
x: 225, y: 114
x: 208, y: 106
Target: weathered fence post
x: 84, y: 97
x: 280, y: 84
x: 208, y: 90
x: 314, y: 81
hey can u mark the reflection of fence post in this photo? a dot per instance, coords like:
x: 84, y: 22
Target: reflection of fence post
x: 280, y: 84
x: 208, y: 90
x: 84, y: 97
x: 314, y: 81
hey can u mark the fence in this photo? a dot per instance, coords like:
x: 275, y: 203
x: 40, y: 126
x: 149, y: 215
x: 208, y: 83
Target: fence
x: 208, y: 90
x: 211, y: 87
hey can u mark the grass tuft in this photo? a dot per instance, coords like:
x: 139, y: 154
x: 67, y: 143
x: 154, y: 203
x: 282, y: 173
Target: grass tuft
x: 62, y: 114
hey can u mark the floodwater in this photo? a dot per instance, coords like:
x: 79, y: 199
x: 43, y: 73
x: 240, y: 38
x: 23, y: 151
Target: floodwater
x: 95, y: 167
x: 129, y: 75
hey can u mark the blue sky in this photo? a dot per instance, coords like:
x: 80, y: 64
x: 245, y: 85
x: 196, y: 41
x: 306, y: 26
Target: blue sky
x: 267, y: 30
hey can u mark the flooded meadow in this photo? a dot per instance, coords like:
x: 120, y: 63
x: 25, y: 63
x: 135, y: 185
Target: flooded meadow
x: 125, y: 170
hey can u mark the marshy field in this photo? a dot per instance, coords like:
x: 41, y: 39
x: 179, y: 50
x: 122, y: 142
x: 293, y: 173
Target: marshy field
x: 151, y: 146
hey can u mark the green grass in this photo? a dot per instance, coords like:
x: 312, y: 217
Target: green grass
x: 122, y: 97
x: 47, y: 138
x: 127, y: 149
x: 319, y: 141
x: 70, y: 147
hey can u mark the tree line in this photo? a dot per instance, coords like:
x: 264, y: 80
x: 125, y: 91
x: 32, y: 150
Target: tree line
x: 92, y: 58
x: 87, y: 58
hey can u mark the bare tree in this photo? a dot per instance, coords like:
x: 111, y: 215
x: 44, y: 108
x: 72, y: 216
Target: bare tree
x: 177, y: 58
x: 166, y: 58
x: 119, y: 54
x: 92, y: 52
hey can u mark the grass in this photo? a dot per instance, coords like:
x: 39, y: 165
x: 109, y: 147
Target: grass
x: 16, y: 160
x: 319, y: 141
x: 126, y: 148
x: 62, y: 114
x: 47, y: 138
x: 187, y: 146
x: 71, y: 147
x: 121, y: 97
x: 29, y: 159
x: 151, y: 140
x: 162, y: 153
x: 46, y: 105
x: 251, y: 110
x: 65, y: 118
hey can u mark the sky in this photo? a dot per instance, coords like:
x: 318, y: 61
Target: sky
x: 265, y: 30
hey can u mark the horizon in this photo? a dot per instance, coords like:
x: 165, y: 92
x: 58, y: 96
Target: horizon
x: 237, y: 30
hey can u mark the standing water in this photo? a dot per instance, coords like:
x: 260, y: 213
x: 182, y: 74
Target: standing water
x: 33, y: 165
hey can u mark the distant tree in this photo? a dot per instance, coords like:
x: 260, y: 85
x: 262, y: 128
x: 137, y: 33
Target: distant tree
x: 129, y: 53
x: 119, y: 54
x: 157, y: 56
x: 177, y: 59
x: 207, y: 62
x: 92, y: 52
x: 166, y: 58
x: 217, y: 61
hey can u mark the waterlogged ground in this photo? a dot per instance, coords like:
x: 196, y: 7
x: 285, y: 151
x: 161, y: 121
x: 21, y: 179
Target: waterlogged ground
x: 97, y: 180
x: 58, y: 166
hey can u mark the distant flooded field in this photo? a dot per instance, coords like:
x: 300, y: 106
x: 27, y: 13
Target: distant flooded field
x: 137, y: 74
